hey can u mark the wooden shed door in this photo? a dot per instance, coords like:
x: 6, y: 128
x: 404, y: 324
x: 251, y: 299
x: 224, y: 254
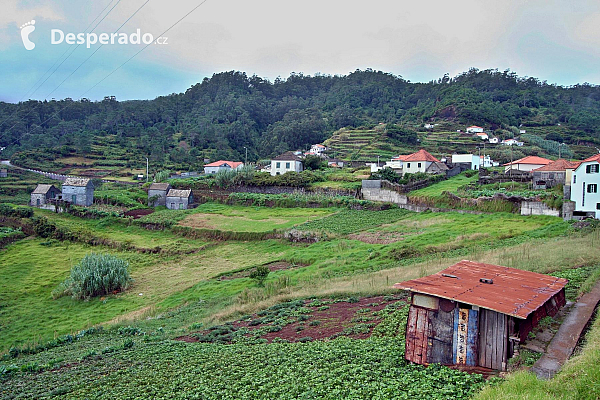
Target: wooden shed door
x: 493, y: 340
x: 418, y: 330
x: 440, y: 339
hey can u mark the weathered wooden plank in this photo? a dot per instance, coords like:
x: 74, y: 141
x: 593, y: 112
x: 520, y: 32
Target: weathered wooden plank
x: 455, y: 336
x: 441, y: 338
x: 502, y: 341
x: 482, y: 328
x: 494, y: 336
x: 472, y: 336
x: 420, y: 350
x: 411, y: 334
x: 489, y: 338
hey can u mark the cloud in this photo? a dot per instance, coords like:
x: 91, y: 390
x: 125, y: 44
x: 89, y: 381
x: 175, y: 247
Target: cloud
x: 15, y: 12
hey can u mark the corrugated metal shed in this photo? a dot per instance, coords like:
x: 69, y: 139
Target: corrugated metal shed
x: 513, y: 292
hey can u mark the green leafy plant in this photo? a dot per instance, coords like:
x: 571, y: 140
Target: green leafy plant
x: 95, y: 275
x: 260, y: 274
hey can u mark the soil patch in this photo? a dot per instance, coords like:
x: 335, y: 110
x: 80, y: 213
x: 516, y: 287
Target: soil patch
x: 379, y: 237
x: 306, y: 320
x: 276, y: 266
x: 138, y: 213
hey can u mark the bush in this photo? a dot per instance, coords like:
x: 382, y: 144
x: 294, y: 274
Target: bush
x: 95, y: 275
x: 260, y: 274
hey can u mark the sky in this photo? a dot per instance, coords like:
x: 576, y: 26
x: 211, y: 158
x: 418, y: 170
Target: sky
x: 555, y: 41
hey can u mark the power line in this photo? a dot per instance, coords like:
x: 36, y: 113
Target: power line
x: 145, y: 47
x: 95, y: 51
x: 116, y: 69
x: 76, y: 47
x: 65, y: 52
x: 52, y: 66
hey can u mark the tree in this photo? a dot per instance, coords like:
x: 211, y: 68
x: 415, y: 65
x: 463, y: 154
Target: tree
x: 260, y: 274
x: 313, y: 163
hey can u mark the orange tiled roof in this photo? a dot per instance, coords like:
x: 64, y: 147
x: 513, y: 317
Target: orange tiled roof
x: 559, y: 165
x: 421, y: 155
x: 232, y: 164
x: 531, y: 160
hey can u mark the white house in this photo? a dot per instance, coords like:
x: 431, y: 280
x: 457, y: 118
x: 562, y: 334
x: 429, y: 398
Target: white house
x: 527, y: 164
x: 286, y: 162
x: 584, y: 187
x: 317, y: 149
x: 222, y: 165
x: 482, y: 135
x: 421, y: 161
x: 493, y: 140
x: 474, y: 129
x: 511, y: 142
x: 471, y: 159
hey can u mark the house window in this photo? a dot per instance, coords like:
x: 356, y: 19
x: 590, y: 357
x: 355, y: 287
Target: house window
x: 592, y: 169
x: 592, y: 188
x: 419, y: 165
x: 287, y: 165
x: 278, y: 165
x: 597, y: 206
x: 574, y: 178
x: 407, y: 165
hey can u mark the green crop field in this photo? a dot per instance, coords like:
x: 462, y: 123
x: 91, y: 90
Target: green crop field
x: 182, y: 284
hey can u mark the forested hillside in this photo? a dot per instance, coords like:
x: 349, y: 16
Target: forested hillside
x: 220, y: 116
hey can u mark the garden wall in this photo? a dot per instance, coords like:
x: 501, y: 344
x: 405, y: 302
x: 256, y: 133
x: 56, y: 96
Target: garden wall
x: 538, y: 208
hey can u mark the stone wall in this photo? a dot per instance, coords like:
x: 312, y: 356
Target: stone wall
x: 388, y: 196
x: 538, y: 208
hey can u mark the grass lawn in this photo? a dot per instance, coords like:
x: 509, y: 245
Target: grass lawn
x: 249, y: 219
x: 119, y: 231
x: 450, y: 185
x: 30, y: 270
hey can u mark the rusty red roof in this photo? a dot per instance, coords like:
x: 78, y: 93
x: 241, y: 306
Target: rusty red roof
x: 513, y: 292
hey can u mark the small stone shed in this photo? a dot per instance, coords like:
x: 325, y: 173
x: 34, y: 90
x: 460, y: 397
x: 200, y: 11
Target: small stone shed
x: 78, y: 191
x: 159, y: 192
x: 179, y: 199
x: 42, y: 193
x: 474, y: 314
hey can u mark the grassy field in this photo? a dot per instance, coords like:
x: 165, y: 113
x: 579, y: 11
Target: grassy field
x: 249, y: 219
x: 179, y: 290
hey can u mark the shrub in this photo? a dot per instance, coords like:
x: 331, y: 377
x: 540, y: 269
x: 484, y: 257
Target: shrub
x: 95, y: 275
x: 260, y: 274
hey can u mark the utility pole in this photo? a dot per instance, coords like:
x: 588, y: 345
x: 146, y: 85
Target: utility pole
x: 146, y: 169
x: 378, y: 161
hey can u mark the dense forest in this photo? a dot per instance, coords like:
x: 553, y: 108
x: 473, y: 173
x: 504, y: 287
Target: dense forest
x: 229, y: 112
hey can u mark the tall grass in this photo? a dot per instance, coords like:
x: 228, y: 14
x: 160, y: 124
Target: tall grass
x: 95, y: 275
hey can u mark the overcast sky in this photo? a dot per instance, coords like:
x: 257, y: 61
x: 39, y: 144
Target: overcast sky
x: 557, y: 41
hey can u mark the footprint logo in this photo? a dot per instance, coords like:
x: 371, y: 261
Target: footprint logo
x: 26, y: 29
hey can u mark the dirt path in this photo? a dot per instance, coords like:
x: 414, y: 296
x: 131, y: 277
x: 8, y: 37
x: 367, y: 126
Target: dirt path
x: 564, y: 342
